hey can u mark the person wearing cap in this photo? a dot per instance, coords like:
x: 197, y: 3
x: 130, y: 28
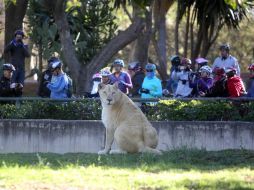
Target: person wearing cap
x: 58, y: 85
x: 203, y: 83
x: 183, y: 87
x: 200, y: 62
x: 226, y: 60
x: 7, y: 88
x: 45, y: 78
x: 137, y: 77
x: 234, y: 83
x: 119, y: 76
x: 172, y: 82
x: 18, y: 52
x: 151, y: 86
x: 106, y: 76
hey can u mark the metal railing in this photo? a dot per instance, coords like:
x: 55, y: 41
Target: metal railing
x: 18, y: 100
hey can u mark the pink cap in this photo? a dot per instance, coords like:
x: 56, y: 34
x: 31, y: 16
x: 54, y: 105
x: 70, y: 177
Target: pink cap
x: 201, y: 60
x: 97, y: 75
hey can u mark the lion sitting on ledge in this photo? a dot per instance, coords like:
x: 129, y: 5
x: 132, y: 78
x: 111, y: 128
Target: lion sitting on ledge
x: 125, y: 123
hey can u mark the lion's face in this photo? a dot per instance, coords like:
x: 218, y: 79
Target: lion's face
x: 109, y: 94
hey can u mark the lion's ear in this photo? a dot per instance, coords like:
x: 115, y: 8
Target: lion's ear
x: 115, y: 85
x: 101, y: 86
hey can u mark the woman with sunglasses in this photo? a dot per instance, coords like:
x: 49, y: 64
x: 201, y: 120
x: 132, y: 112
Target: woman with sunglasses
x: 151, y: 87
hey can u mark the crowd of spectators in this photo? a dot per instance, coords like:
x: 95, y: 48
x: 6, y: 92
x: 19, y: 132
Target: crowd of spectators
x: 186, y: 79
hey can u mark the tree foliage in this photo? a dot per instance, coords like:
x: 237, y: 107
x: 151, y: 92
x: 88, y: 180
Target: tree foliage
x: 43, y: 30
x: 91, y: 23
x: 209, y: 17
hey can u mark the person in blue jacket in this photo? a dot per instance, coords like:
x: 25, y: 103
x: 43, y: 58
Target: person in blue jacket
x: 151, y: 87
x: 59, y: 82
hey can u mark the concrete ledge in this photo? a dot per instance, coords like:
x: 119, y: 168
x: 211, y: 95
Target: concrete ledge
x: 60, y: 136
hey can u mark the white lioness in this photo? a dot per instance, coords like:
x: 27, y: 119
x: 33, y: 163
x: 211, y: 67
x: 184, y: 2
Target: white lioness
x: 125, y: 123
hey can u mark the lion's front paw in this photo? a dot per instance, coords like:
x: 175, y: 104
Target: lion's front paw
x: 103, y: 152
x: 118, y: 152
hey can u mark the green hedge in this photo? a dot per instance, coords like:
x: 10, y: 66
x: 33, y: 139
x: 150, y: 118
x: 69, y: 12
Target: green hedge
x: 84, y: 110
x: 165, y: 110
x: 202, y: 110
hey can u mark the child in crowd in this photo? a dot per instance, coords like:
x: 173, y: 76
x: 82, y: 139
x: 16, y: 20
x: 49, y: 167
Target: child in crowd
x: 204, y: 83
x: 182, y: 76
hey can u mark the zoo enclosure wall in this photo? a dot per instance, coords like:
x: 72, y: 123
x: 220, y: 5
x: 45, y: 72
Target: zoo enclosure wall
x: 58, y: 136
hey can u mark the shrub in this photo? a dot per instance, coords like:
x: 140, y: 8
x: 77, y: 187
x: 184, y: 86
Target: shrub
x: 164, y: 110
x: 201, y: 110
x: 82, y: 110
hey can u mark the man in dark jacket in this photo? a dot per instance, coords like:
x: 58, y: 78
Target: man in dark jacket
x: 45, y: 78
x: 137, y: 77
x: 7, y: 88
x: 18, y: 51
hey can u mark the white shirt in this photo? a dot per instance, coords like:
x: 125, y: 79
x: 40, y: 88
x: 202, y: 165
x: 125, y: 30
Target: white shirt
x: 230, y: 61
x: 182, y: 90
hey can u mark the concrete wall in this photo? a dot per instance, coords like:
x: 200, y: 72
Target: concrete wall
x: 88, y: 136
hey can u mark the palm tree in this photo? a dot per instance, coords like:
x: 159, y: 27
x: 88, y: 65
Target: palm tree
x: 209, y: 17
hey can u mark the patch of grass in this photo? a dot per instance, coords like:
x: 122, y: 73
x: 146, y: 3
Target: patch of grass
x: 177, y: 169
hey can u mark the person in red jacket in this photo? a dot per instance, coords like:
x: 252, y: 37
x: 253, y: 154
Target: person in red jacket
x: 234, y: 83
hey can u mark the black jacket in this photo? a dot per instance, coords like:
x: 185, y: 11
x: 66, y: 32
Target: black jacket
x: 219, y: 89
x: 43, y: 91
x: 6, y: 91
x: 137, y: 81
x: 18, y: 52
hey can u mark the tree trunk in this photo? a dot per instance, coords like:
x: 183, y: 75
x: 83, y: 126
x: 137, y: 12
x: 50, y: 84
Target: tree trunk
x: 14, y: 15
x: 141, y: 45
x: 199, y: 39
x: 161, y: 8
x: 177, y: 29
x: 40, y: 58
x: 186, y: 38
x: 66, y: 42
x: 192, y: 41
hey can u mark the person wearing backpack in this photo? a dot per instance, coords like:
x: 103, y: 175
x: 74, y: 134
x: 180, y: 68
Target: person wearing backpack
x: 59, y: 85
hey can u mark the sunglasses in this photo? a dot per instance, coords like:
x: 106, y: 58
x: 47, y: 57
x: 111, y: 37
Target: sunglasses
x: 149, y: 70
